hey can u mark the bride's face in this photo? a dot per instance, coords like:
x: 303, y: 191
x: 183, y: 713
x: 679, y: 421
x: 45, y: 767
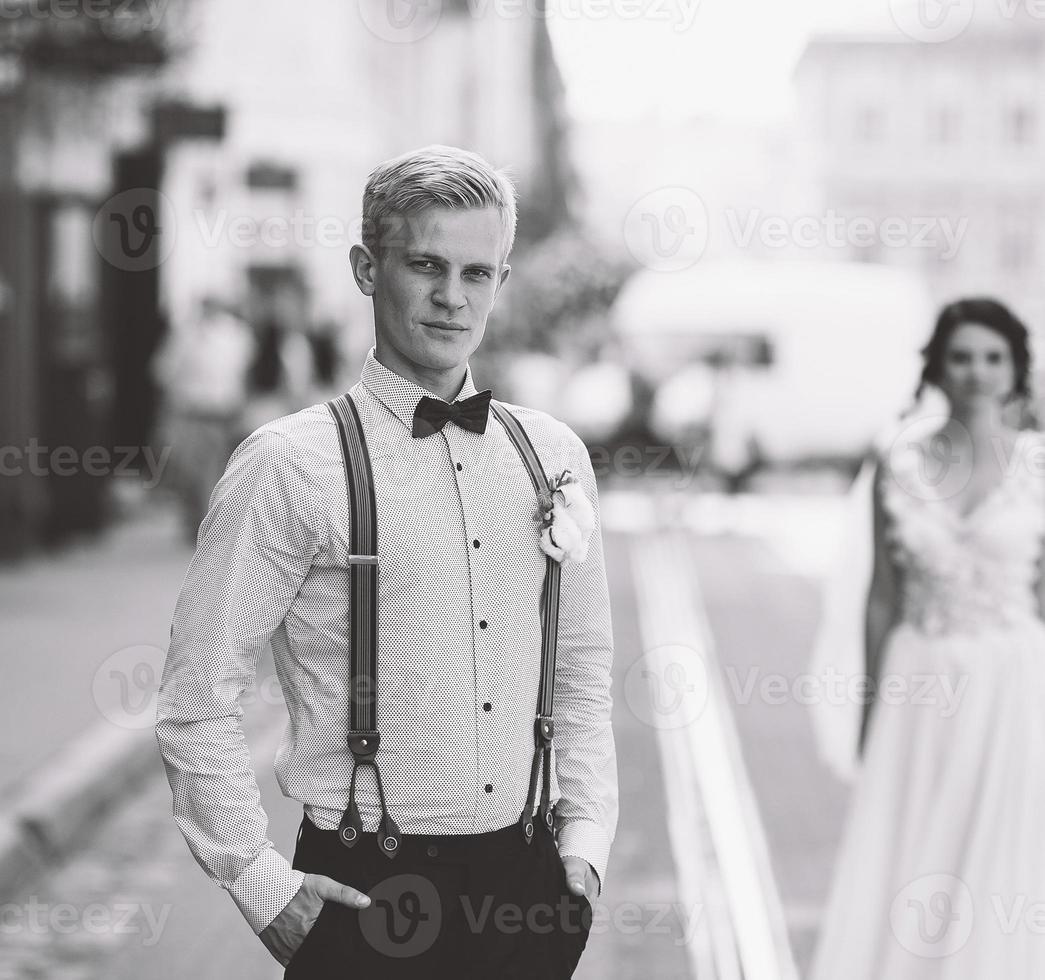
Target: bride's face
x: 977, y: 367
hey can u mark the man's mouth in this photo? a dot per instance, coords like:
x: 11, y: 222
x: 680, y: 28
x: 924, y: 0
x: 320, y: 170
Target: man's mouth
x: 444, y: 325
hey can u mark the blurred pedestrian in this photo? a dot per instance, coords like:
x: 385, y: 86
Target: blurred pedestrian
x: 291, y: 369
x: 201, y: 369
x: 942, y: 843
x: 733, y: 451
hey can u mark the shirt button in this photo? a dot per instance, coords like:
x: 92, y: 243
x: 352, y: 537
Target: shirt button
x: 482, y: 624
x: 459, y: 466
x: 433, y: 851
x: 475, y: 543
x: 487, y: 706
x: 489, y: 787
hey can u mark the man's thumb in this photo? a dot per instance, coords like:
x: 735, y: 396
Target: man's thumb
x: 329, y: 889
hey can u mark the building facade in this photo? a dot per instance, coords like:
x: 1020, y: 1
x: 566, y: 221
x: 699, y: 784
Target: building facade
x: 938, y: 150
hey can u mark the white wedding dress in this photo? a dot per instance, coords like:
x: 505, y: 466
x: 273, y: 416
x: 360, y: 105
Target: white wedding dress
x: 940, y: 874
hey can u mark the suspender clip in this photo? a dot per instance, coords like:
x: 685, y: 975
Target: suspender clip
x: 364, y: 745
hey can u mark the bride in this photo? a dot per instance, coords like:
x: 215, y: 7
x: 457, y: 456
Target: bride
x: 940, y: 873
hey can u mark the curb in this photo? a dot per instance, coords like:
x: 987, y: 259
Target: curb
x: 50, y: 815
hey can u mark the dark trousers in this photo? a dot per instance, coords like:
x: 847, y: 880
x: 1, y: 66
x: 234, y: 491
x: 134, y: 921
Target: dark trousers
x: 448, y: 905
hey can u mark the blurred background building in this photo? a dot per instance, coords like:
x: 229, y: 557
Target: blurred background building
x: 150, y: 165
x: 170, y: 155
x: 892, y: 126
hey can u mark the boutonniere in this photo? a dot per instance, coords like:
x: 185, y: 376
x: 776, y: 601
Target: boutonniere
x: 567, y: 518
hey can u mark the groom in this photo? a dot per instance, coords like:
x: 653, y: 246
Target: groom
x: 462, y: 562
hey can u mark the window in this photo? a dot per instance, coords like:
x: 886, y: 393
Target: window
x: 870, y: 124
x: 1016, y: 243
x: 1019, y: 125
x: 944, y: 125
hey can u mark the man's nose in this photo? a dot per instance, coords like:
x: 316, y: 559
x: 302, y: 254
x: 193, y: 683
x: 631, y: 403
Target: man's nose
x: 448, y: 294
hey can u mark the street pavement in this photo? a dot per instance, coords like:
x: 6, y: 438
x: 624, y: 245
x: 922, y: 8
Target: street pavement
x: 66, y: 616
x: 134, y: 903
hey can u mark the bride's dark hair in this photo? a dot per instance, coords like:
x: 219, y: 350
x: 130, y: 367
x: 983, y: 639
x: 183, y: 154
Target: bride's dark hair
x: 984, y: 312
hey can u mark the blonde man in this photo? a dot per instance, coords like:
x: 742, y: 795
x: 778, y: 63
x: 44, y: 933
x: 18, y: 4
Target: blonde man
x: 461, y: 573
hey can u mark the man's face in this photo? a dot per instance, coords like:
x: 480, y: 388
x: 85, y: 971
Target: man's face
x: 435, y: 281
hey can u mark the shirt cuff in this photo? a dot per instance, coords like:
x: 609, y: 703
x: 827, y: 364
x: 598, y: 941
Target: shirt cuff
x: 265, y: 887
x: 586, y: 839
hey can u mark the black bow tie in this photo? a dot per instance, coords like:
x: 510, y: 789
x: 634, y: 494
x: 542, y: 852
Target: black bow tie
x: 432, y: 414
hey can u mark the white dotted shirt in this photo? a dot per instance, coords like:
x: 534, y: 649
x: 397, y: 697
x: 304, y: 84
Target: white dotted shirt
x: 459, y: 640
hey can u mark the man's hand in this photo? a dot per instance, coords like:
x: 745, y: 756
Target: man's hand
x: 581, y: 878
x: 287, y: 931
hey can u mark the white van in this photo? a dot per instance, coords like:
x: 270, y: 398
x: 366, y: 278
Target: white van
x: 820, y: 355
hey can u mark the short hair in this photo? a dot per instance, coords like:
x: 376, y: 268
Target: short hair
x: 435, y: 176
x: 985, y: 312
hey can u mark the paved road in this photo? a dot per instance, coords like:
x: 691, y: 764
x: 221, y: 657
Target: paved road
x: 64, y: 615
x: 134, y: 903
x: 801, y: 805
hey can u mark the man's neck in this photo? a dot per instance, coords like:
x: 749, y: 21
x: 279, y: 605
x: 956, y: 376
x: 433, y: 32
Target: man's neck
x: 444, y: 384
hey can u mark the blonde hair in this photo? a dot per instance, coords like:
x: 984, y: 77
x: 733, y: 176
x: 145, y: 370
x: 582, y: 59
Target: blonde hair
x: 434, y: 176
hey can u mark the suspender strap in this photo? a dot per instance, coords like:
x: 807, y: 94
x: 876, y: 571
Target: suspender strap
x: 544, y: 724
x: 363, y: 737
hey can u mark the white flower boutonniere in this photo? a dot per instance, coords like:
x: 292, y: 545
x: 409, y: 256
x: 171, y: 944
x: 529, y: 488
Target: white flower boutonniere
x: 567, y: 519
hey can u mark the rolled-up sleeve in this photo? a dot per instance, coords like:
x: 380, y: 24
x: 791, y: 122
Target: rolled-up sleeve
x: 585, y: 752
x: 255, y: 548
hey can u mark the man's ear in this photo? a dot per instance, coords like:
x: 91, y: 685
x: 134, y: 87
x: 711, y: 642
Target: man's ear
x: 504, y: 278
x: 364, y: 269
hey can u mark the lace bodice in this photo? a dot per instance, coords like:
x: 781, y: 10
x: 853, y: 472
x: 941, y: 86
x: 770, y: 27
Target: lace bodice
x: 966, y: 573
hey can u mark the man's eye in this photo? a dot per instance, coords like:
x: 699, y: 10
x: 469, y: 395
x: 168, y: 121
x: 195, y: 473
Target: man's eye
x: 424, y: 264
x: 479, y: 272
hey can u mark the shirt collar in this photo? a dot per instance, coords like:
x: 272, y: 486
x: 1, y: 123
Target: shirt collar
x: 399, y: 394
